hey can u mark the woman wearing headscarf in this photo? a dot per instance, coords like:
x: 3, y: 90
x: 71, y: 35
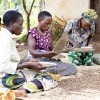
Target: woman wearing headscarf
x: 80, y: 32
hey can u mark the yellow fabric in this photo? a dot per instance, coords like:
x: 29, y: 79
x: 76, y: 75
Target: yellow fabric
x: 92, y: 13
x: 31, y: 87
x: 56, y: 77
x: 9, y: 95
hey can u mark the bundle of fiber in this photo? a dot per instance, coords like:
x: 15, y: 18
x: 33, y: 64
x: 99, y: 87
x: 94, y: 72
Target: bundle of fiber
x: 61, y: 43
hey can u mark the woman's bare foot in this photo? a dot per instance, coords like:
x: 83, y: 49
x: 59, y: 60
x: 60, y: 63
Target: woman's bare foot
x: 20, y: 93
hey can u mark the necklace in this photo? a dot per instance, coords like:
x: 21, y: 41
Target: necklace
x: 42, y: 33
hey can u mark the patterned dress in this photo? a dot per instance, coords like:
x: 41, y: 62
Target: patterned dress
x: 80, y: 36
x: 43, y: 44
x: 43, y: 41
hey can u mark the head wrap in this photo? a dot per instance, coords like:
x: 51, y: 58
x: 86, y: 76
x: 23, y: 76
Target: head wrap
x: 89, y: 16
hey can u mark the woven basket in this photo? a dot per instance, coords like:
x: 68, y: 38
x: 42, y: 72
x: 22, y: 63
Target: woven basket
x: 84, y: 49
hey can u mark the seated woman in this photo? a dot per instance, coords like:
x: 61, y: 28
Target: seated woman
x: 80, y: 32
x: 40, y: 45
x: 10, y: 63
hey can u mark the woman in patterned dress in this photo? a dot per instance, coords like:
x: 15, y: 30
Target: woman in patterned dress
x: 39, y: 38
x: 40, y: 45
x: 80, y: 32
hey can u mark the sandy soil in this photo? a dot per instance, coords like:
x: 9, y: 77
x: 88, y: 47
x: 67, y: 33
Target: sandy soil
x: 85, y: 85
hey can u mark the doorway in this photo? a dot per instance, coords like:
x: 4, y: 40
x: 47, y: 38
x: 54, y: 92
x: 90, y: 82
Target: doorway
x: 95, y: 4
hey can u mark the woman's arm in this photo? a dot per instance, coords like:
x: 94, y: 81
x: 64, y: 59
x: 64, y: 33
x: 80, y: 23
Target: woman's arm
x: 90, y: 39
x: 76, y: 45
x: 31, y: 65
x: 32, y: 50
x: 51, y: 40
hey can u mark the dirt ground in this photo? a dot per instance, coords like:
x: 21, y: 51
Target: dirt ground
x: 84, y: 85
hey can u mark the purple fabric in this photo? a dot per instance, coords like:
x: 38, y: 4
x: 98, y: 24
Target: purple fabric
x: 43, y: 41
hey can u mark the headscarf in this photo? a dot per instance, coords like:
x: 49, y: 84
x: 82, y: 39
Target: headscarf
x: 89, y: 16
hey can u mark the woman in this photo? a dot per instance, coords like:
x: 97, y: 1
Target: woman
x: 80, y: 32
x: 40, y: 45
x: 39, y: 38
x: 9, y: 57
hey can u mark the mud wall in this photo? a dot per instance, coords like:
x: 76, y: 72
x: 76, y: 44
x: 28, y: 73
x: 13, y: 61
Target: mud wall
x: 67, y: 8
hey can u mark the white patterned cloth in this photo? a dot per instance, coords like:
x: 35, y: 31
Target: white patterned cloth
x: 78, y: 34
x: 9, y: 57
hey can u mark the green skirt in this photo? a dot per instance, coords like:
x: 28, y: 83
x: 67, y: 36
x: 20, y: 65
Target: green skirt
x: 81, y: 58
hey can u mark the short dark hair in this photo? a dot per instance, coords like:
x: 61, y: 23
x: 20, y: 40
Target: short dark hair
x: 43, y: 14
x: 10, y: 16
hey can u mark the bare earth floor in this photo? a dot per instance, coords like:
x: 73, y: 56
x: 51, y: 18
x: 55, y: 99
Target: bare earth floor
x: 85, y: 85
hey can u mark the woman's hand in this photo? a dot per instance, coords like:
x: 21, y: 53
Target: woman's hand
x: 51, y: 54
x: 34, y: 60
x: 76, y: 45
x: 31, y: 64
x: 35, y: 65
x: 90, y: 45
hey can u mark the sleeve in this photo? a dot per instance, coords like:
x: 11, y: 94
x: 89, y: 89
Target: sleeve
x: 85, y: 36
x: 68, y: 27
x: 32, y: 32
x: 91, y: 33
x: 92, y: 29
x: 7, y: 65
x: 82, y: 37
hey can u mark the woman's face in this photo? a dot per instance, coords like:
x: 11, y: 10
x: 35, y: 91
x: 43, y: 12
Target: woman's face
x: 17, y: 26
x: 85, y: 25
x: 45, y: 23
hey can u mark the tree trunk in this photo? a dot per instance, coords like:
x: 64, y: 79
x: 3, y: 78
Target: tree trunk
x: 28, y: 22
x: 28, y: 13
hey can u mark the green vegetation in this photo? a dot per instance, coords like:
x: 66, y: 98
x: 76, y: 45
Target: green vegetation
x: 10, y: 5
x: 57, y: 25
